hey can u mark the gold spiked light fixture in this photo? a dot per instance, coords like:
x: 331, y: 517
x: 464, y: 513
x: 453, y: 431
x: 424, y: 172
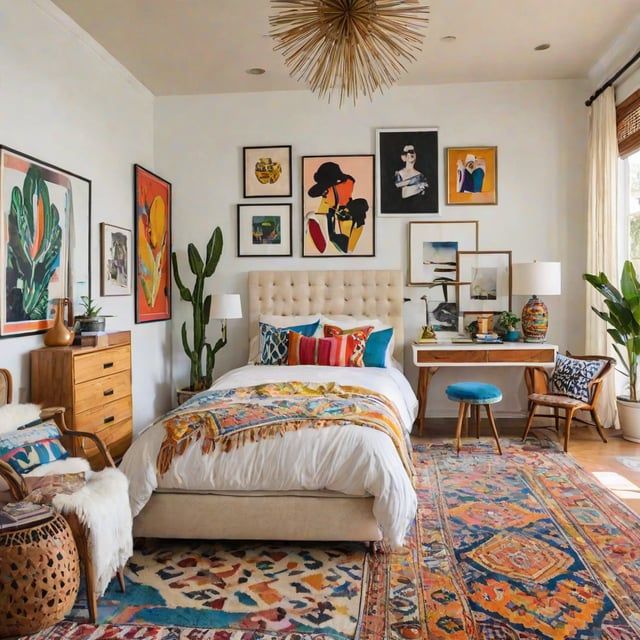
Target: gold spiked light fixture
x: 352, y: 47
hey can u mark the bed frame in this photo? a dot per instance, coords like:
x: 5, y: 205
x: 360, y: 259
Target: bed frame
x: 316, y: 515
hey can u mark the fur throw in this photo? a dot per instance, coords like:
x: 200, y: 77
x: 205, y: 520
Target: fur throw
x: 13, y: 416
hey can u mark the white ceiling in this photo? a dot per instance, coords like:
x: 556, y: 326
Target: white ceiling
x: 205, y: 46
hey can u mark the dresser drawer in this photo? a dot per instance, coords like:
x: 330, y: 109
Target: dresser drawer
x: 116, y: 437
x: 95, y: 393
x: 103, y: 415
x: 91, y: 366
x: 454, y: 355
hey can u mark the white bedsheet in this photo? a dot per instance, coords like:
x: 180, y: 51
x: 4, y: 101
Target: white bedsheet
x: 353, y: 460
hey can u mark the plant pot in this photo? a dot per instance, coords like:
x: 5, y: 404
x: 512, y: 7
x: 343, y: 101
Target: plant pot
x: 511, y: 336
x: 183, y: 395
x: 94, y: 324
x: 629, y: 415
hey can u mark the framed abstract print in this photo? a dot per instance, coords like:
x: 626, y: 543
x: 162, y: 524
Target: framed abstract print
x: 45, y: 228
x: 472, y: 175
x: 267, y: 171
x: 485, y: 280
x: 152, y: 242
x: 442, y: 310
x: 407, y: 171
x: 264, y: 230
x: 433, y: 248
x: 116, y: 260
x: 338, y: 206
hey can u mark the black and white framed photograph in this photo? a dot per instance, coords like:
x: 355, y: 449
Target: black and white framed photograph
x: 407, y: 171
x: 442, y: 309
x: 267, y: 171
x: 264, y: 230
x: 485, y: 280
x: 116, y: 260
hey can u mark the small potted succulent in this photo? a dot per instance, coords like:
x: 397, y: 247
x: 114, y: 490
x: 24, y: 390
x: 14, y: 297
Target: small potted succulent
x: 509, y: 321
x: 91, y: 321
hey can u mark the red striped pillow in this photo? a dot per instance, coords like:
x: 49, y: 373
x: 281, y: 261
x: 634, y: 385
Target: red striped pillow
x: 341, y: 351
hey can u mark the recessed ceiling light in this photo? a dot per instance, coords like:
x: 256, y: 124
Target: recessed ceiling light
x: 255, y: 71
x: 448, y: 38
x: 542, y: 47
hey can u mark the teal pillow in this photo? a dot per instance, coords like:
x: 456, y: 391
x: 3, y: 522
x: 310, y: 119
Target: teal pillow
x: 375, y: 353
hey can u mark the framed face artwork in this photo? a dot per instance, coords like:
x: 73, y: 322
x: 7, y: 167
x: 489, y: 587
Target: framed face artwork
x: 116, y: 260
x: 433, y: 248
x: 45, y: 227
x: 485, y: 278
x: 152, y: 224
x: 267, y: 172
x: 407, y: 171
x: 338, y: 206
x: 264, y: 230
x: 472, y: 175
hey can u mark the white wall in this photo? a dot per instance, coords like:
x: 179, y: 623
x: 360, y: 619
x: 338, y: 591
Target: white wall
x: 64, y: 100
x: 540, y: 131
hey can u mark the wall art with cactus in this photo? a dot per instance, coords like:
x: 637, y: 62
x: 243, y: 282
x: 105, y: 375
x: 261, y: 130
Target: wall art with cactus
x: 45, y: 220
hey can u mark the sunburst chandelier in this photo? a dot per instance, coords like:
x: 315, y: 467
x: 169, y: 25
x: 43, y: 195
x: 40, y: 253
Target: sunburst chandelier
x: 352, y: 47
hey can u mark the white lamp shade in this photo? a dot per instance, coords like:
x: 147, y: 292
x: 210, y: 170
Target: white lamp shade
x: 536, y: 278
x: 225, y: 306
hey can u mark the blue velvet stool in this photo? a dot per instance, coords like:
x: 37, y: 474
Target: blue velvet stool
x: 473, y: 395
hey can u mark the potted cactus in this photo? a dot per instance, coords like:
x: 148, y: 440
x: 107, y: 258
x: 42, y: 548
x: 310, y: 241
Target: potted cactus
x: 201, y: 354
x: 91, y: 321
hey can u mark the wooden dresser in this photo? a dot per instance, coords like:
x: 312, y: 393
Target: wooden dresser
x: 94, y: 386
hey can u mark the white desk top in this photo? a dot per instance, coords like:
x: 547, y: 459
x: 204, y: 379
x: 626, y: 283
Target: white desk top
x: 439, y: 354
x: 503, y: 346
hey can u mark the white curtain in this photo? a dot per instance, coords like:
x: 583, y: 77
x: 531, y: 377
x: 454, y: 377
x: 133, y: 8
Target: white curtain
x: 602, y: 163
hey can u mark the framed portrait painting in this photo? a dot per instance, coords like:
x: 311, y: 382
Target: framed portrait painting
x: 116, y: 263
x: 485, y: 280
x: 407, y: 171
x: 45, y: 229
x: 264, y: 230
x: 338, y: 206
x: 152, y: 242
x: 267, y: 171
x: 472, y: 175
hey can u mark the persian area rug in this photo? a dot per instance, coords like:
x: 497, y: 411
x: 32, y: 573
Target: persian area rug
x: 521, y: 546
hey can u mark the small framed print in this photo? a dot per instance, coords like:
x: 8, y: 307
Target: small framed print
x: 267, y: 171
x: 485, y: 280
x: 264, y: 230
x: 442, y: 310
x: 472, y: 175
x: 116, y: 260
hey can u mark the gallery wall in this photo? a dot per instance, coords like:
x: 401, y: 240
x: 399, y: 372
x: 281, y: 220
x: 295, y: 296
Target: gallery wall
x: 66, y: 101
x: 538, y: 127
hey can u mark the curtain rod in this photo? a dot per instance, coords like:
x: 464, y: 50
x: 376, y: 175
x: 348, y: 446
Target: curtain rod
x: 612, y: 79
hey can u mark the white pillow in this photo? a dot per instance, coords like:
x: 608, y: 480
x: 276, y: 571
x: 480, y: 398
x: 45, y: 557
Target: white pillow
x: 13, y: 416
x: 278, y: 322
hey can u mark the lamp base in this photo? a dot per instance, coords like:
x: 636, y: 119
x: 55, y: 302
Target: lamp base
x: 535, y: 320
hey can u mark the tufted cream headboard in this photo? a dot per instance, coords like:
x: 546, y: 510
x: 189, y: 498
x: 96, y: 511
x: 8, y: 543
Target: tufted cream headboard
x: 374, y: 294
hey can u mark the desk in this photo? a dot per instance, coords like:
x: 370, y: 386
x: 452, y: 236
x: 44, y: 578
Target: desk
x: 430, y: 357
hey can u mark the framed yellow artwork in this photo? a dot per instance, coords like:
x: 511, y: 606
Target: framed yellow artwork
x: 472, y: 175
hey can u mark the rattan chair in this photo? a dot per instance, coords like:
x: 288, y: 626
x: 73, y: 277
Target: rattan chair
x: 540, y: 395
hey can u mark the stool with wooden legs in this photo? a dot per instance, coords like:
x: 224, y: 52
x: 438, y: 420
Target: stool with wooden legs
x: 471, y: 396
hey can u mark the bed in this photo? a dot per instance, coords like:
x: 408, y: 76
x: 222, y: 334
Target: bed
x: 334, y: 483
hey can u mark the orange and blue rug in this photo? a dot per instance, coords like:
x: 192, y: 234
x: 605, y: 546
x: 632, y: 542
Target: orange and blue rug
x: 517, y: 547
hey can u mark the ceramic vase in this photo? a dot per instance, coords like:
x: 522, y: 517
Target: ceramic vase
x: 535, y: 320
x: 60, y: 335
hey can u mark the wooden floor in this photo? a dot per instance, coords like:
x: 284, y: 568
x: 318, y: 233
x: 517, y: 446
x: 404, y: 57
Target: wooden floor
x: 603, y: 460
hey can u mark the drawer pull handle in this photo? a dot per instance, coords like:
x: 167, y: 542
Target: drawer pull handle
x: 107, y: 392
x: 107, y: 365
x: 109, y: 419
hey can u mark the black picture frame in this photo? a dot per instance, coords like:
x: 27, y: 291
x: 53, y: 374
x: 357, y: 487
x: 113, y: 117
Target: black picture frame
x: 239, y: 211
x: 269, y: 192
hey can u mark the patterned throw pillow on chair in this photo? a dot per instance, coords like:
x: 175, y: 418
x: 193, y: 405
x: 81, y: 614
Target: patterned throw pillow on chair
x: 571, y: 377
x: 28, y: 448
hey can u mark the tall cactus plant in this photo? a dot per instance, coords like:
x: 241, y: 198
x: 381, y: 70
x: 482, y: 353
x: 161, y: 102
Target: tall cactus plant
x: 200, y: 349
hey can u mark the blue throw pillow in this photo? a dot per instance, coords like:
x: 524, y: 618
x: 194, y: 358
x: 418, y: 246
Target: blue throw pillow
x: 274, y: 341
x: 571, y: 377
x: 375, y: 353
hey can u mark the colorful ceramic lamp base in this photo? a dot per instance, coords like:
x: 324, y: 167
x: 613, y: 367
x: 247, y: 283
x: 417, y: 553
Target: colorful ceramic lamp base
x: 535, y: 320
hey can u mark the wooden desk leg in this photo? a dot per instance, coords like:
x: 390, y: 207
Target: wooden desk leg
x: 424, y: 378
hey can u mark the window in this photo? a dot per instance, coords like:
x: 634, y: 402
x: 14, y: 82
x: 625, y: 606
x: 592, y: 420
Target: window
x: 631, y: 204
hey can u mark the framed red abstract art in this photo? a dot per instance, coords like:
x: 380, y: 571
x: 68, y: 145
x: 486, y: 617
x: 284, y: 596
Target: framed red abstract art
x: 152, y: 224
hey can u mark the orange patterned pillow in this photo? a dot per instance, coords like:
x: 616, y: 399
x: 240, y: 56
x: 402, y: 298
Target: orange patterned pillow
x: 333, y: 331
x: 341, y: 351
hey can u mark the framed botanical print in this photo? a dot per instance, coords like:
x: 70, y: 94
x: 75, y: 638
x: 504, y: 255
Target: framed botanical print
x: 485, y: 278
x: 338, y: 206
x: 152, y: 225
x: 267, y: 171
x: 264, y: 230
x: 433, y: 248
x: 407, y: 171
x: 116, y: 260
x: 45, y: 240
x: 472, y: 175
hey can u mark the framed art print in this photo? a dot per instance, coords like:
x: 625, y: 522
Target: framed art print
x: 485, y: 280
x: 472, y: 175
x: 264, y: 230
x: 407, y: 171
x: 152, y: 225
x: 45, y: 240
x: 442, y: 309
x: 338, y: 206
x: 116, y: 264
x: 433, y: 248
x: 267, y: 172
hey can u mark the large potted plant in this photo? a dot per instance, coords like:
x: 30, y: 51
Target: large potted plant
x: 623, y: 316
x: 201, y: 354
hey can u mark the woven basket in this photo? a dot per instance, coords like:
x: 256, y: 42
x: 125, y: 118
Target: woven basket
x: 39, y: 577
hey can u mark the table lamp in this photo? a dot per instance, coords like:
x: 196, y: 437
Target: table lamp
x: 533, y: 279
x: 225, y: 306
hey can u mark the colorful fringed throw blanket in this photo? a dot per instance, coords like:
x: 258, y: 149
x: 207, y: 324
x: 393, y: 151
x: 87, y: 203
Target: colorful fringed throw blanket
x: 229, y: 418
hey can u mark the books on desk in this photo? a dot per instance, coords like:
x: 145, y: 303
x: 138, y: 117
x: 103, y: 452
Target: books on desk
x: 488, y: 338
x: 21, y: 514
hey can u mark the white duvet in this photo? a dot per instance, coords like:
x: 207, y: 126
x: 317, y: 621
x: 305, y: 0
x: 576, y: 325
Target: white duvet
x: 354, y: 460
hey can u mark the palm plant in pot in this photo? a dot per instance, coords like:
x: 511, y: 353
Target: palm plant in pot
x: 623, y: 316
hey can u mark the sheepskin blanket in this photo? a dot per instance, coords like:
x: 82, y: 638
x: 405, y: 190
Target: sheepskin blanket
x: 13, y: 416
